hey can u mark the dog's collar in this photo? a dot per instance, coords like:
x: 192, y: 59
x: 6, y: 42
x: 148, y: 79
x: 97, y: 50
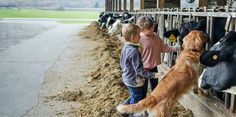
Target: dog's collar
x: 194, y: 50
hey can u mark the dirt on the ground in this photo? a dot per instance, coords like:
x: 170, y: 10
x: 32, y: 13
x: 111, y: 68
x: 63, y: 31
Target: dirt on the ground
x: 104, y: 89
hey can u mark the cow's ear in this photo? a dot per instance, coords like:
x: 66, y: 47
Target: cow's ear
x: 171, y: 34
x: 210, y: 58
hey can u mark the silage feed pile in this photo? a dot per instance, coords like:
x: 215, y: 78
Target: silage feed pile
x: 105, y: 89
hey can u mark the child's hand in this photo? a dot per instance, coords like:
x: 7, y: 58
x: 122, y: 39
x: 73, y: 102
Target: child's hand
x: 159, y: 74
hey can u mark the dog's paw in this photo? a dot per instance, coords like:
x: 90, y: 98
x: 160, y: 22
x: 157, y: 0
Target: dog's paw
x: 120, y: 108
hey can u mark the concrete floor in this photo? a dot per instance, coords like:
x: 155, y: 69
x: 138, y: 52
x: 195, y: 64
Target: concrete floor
x: 24, y: 65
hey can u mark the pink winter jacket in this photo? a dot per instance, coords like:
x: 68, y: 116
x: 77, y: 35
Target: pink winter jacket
x: 151, y: 48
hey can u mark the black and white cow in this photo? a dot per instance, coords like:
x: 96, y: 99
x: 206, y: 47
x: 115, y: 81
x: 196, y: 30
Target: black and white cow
x: 127, y: 18
x: 112, y: 19
x: 220, y: 62
x: 102, y: 20
x: 106, y: 20
x: 185, y: 28
x: 116, y: 27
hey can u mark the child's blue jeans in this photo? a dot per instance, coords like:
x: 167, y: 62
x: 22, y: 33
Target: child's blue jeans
x: 136, y: 94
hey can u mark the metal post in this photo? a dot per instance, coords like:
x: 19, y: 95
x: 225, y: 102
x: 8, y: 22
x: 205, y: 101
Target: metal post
x: 119, y: 5
x: 233, y: 103
x: 227, y: 24
x: 171, y: 54
x: 113, y: 5
x: 208, y: 32
x: 211, y: 31
x: 131, y: 5
x: 161, y: 26
x: 106, y: 6
x: 227, y: 100
x: 125, y: 5
x: 180, y: 21
x: 234, y: 24
x: 109, y: 4
x: 116, y: 7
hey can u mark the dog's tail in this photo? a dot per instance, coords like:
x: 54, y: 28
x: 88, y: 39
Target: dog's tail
x: 144, y: 104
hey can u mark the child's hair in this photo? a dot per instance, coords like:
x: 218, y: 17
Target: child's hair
x: 144, y: 22
x: 128, y: 30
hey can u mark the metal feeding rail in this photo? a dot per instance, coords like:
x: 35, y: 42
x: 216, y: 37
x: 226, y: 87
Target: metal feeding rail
x: 170, y: 18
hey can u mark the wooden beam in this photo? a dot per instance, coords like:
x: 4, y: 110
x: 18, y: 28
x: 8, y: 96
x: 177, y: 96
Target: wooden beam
x: 160, y: 3
x: 142, y: 4
x: 203, y: 3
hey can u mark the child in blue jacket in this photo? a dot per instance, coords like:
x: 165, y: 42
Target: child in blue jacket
x: 133, y: 73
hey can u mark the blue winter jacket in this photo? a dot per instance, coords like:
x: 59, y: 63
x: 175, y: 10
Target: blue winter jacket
x: 133, y: 73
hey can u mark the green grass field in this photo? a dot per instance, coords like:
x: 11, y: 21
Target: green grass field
x: 36, y: 13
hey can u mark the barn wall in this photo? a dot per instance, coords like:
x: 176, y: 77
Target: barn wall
x: 161, y: 3
x: 150, y: 4
x: 172, y: 3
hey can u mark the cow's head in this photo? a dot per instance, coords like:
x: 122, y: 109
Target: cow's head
x: 110, y: 21
x: 115, y: 29
x: 125, y: 16
x: 220, y: 62
x: 184, y: 29
x: 129, y: 20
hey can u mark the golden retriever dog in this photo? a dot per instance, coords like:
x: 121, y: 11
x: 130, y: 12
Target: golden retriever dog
x: 176, y: 82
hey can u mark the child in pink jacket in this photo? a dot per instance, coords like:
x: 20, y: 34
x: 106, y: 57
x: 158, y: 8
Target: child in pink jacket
x: 151, y: 47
